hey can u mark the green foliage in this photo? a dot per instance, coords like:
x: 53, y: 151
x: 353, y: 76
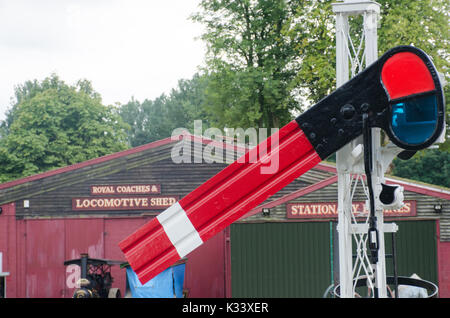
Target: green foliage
x: 251, y: 60
x: 156, y: 119
x: 53, y: 125
x: 430, y: 166
x: 316, y: 77
x: 142, y: 119
x: 270, y: 59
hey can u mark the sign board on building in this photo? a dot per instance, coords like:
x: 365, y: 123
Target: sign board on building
x: 330, y: 210
x: 126, y: 189
x: 124, y: 197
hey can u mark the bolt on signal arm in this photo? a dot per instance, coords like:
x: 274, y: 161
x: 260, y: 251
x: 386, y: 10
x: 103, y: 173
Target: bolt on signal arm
x: 400, y: 93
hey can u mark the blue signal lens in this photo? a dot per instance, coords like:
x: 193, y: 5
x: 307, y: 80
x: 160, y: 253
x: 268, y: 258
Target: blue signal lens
x: 414, y: 121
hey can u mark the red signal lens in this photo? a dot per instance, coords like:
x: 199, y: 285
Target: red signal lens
x: 406, y: 74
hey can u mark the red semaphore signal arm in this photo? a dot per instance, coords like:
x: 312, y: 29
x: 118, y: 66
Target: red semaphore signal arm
x: 402, y: 74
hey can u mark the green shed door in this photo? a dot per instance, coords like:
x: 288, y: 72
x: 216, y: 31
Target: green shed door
x: 280, y: 259
x: 416, y: 243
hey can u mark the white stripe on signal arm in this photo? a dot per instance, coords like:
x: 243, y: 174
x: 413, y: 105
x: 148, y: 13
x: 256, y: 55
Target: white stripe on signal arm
x: 182, y: 234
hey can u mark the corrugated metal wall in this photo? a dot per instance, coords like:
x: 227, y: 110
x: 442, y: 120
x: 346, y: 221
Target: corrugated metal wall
x: 416, y: 250
x: 44, y: 259
x: 286, y: 259
x: 293, y: 259
x: 34, y: 251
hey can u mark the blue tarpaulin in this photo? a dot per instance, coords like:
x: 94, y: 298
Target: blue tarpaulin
x: 168, y: 284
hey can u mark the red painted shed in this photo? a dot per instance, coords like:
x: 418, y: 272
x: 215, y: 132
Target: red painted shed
x: 41, y: 226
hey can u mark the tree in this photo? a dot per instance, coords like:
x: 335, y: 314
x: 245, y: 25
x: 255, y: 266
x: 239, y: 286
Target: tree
x: 270, y: 59
x: 156, y: 119
x: 251, y: 61
x: 316, y: 77
x: 137, y: 115
x: 186, y: 102
x: 53, y: 124
x: 430, y: 166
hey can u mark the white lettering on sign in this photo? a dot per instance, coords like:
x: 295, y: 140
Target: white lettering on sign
x: 330, y: 210
x: 126, y: 189
x: 125, y: 203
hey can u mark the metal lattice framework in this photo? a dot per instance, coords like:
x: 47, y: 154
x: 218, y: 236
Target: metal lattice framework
x: 355, y: 49
x: 361, y: 264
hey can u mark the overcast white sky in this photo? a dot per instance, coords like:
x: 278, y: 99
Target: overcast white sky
x: 126, y: 48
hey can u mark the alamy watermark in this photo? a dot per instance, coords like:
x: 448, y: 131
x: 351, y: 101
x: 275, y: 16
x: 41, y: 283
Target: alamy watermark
x: 214, y: 145
x: 73, y: 275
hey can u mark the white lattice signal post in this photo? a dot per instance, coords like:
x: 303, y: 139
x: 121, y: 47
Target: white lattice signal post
x: 351, y: 58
